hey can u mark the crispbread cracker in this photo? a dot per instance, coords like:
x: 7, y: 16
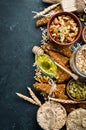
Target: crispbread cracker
x: 76, y: 120
x: 51, y: 115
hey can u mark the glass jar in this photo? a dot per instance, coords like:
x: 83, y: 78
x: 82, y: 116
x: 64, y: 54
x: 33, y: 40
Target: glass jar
x: 78, y: 61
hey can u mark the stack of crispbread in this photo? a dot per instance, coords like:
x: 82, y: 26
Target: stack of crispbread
x: 51, y: 116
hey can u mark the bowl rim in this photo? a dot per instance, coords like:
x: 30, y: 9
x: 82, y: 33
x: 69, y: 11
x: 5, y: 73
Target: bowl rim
x: 74, y: 17
x: 83, y: 37
x: 83, y: 99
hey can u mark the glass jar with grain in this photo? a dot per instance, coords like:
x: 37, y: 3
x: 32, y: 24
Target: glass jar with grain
x: 78, y: 61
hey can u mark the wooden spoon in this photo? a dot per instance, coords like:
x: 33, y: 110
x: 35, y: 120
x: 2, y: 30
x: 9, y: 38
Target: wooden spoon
x: 74, y: 76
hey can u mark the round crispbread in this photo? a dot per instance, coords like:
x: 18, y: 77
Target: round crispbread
x: 76, y: 120
x: 51, y: 115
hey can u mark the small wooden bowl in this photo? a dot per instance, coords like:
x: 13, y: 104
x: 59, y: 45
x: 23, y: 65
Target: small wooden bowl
x: 75, y: 99
x: 73, y: 16
x: 84, y: 34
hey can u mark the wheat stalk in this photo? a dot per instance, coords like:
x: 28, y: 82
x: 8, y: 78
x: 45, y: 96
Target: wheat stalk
x: 51, y: 1
x: 34, y: 96
x: 65, y: 101
x: 27, y: 98
x: 46, y: 10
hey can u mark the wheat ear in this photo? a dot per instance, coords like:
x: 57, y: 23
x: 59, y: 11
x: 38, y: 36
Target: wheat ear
x: 34, y: 96
x: 46, y: 10
x: 27, y: 98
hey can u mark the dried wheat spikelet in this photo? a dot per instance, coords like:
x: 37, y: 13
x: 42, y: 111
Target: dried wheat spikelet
x: 51, y: 1
x: 34, y: 96
x: 65, y: 101
x: 27, y: 98
x: 45, y: 10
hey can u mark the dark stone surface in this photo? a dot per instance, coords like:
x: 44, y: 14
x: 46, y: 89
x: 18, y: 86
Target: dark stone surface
x: 18, y: 35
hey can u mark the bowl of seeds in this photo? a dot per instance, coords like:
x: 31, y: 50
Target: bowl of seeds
x: 76, y: 90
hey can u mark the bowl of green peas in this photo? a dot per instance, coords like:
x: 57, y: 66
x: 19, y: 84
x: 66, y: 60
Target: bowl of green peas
x: 76, y: 90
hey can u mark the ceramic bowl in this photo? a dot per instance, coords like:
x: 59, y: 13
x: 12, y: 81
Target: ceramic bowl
x: 74, y: 92
x: 84, y: 34
x: 58, y: 16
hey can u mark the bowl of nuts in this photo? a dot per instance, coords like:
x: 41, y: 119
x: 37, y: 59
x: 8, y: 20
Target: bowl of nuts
x: 64, y: 28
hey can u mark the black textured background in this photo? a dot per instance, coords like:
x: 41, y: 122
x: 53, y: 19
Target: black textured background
x: 18, y: 35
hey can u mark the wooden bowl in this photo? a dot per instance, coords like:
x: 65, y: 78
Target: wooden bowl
x: 84, y: 34
x: 76, y: 20
x: 68, y: 93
